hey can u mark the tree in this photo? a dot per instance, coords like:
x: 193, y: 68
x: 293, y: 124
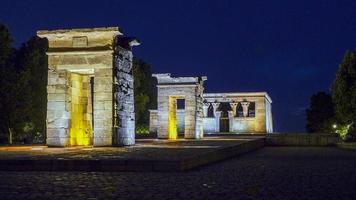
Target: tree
x: 8, y: 92
x: 145, y: 92
x: 23, y: 80
x: 32, y: 62
x: 320, y: 114
x: 344, y: 92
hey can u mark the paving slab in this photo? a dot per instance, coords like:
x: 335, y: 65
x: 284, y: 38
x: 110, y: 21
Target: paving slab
x: 146, y: 155
x: 277, y: 173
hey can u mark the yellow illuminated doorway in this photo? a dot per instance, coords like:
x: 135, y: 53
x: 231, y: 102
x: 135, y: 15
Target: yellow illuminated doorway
x: 80, y: 110
x: 172, y: 118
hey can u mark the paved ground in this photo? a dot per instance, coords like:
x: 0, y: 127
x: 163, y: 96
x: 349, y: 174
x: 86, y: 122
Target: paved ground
x: 268, y: 173
x: 145, y: 149
x: 146, y: 155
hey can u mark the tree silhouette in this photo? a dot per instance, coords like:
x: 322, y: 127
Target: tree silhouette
x: 320, y: 114
x: 344, y: 91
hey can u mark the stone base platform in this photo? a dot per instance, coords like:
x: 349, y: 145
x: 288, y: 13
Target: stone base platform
x: 147, y: 155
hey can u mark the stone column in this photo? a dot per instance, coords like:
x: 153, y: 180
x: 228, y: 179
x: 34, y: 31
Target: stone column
x: 217, y: 121
x: 124, y: 92
x: 234, y: 107
x: 231, y: 120
x: 215, y: 108
x: 206, y: 109
x: 245, y: 105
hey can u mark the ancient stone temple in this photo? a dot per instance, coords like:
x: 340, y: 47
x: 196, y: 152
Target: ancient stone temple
x: 90, y: 87
x: 164, y: 119
x: 247, y: 112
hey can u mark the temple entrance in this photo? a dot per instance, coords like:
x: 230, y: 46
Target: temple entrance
x: 224, y: 122
x: 224, y: 118
x: 172, y: 118
x: 81, y: 121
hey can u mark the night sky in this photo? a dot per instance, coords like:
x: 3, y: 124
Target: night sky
x: 291, y: 49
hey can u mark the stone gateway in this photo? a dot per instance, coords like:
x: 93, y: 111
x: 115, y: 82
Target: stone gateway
x: 169, y: 91
x: 90, y: 87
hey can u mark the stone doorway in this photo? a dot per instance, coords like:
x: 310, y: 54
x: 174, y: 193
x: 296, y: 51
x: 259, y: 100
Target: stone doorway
x: 224, y: 125
x: 81, y: 102
x: 224, y: 122
x: 172, y: 118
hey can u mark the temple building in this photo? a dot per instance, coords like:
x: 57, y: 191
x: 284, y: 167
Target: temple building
x: 90, y: 87
x: 183, y: 108
x: 91, y: 95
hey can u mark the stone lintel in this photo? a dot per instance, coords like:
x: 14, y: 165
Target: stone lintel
x: 79, y: 52
x: 44, y: 33
x: 81, y: 67
x: 79, y: 39
x: 166, y: 79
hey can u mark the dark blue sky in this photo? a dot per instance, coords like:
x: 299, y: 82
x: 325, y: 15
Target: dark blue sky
x: 291, y: 49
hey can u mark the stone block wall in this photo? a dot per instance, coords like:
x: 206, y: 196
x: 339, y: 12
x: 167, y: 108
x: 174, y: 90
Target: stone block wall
x: 241, y: 125
x: 58, y: 108
x: 260, y: 115
x: 199, y: 124
x: 124, y: 97
x: 302, y: 139
x: 153, y: 126
x: 103, y: 107
x: 209, y: 125
x: 269, y: 119
x: 180, y: 121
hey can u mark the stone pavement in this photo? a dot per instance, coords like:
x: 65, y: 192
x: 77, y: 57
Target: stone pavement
x: 147, y: 155
x: 268, y: 173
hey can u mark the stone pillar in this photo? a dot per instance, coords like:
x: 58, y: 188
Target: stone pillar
x: 234, y: 107
x: 199, y: 124
x: 190, y: 117
x: 231, y: 120
x: 245, y: 105
x: 206, y: 109
x: 103, y: 107
x: 215, y: 107
x: 124, y: 92
x: 217, y: 121
x: 58, y: 108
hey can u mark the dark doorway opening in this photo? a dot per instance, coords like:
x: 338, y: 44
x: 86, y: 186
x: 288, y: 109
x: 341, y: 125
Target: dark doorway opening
x: 224, y: 118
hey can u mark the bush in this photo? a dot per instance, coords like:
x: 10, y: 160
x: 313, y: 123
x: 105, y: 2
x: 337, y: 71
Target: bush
x: 344, y: 131
x: 142, y: 130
